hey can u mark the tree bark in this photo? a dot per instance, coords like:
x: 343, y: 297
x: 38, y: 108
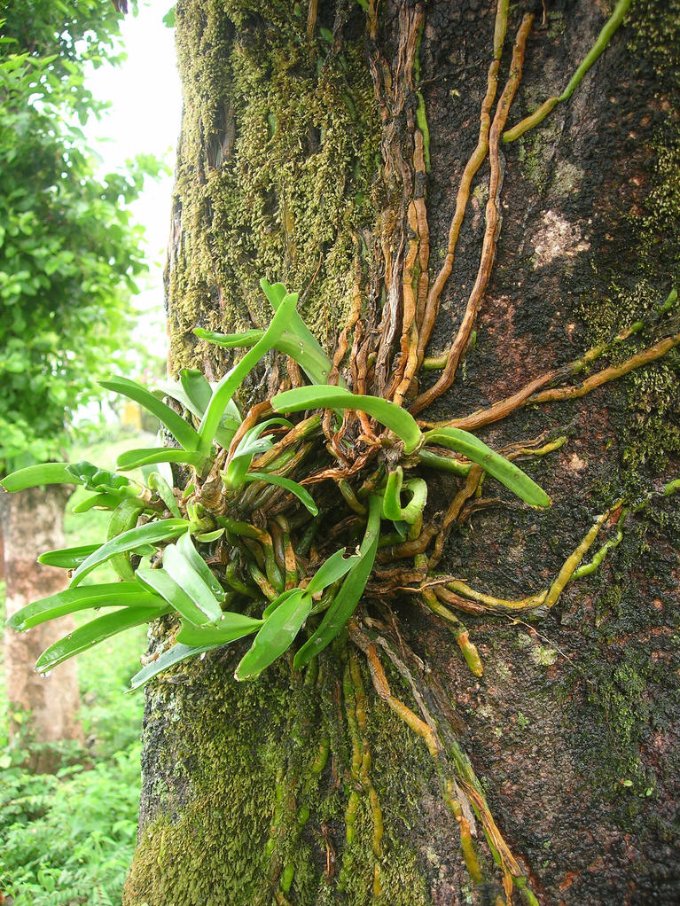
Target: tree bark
x: 43, y: 709
x: 304, y: 153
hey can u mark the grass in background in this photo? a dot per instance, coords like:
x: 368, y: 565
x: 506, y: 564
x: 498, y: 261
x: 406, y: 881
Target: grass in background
x: 67, y: 839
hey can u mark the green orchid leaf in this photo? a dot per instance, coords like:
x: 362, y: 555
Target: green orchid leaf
x: 102, y: 480
x: 271, y: 607
x: 176, y: 391
x: 162, y: 583
x: 311, y: 358
x: 393, y: 417
x: 275, y: 292
x: 151, y: 533
x: 443, y: 463
x: 37, y: 476
x: 197, y: 388
x: 72, y: 600
x: 231, y: 627
x: 193, y: 397
x: 298, y: 341
x: 496, y: 465
x: 163, y: 468
x: 207, y: 537
x: 276, y: 636
x: 392, y: 508
x: 68, y: 557
x: 250, y: 444
x: 123, y: 518
x: 244, y: 340
x: 134, y: 459
x: 233, y: 379
x: 181, y: 569
x: 180, y: 429
x: 97, y: 501
x: 174, y: 655
x: 252, y: 440
x: 157, y: 483
x: 330, y: 571
x: 94, y: 632
x: 280, y: 481
x: 187, y: 549
x: 348, y: 597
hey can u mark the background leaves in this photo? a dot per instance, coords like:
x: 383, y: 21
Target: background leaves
x: 69, y: 254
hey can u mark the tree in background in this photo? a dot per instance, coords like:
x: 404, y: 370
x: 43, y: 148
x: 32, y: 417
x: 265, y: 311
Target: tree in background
x: 69, y: 255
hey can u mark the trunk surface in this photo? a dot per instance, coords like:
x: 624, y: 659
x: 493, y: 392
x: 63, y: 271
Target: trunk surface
x: 303, y: 157
x: 43, y: 709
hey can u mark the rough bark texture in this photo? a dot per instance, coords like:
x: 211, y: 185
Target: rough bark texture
x: 573, y: 726
x: 42, y: 709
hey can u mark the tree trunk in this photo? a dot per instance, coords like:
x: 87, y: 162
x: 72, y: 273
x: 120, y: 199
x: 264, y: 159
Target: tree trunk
x: 313, y: 139
x: 43, y: 710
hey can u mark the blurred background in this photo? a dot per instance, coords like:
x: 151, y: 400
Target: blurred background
x: 90, y: 108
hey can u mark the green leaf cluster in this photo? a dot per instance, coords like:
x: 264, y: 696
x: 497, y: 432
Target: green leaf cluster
x: 69, y: 254
x: 170, y: 547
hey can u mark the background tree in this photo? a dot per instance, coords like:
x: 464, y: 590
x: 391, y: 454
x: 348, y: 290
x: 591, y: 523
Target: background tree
x: 68, y: 258
x: 314, y: 137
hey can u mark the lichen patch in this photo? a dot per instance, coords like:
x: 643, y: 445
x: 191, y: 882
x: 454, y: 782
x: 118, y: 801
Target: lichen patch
x: 557, y: 238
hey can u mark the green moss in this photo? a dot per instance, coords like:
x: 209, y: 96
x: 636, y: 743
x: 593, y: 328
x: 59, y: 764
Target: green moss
x: 401, y: 772
x: 231, y: 782
x: 654, y: 28
x: 543, y: 656
x: 242, y: 795
x: 208, y: 817
x: 622, y: 698
x: 557, y: 25
x: 534, y: 152
x: 288, y: 136
x: 628, y: 690
x: 651, y: 434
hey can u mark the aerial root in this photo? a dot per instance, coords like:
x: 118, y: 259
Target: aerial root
x: 458, y: 594
x: 534, y: 394
x: 603, y: 39
x: 461, y: 794
x: 645, y: 357
x: 431, y: 308
x: 492, y: 229
x: 357, y: 718
x: 460, y: 632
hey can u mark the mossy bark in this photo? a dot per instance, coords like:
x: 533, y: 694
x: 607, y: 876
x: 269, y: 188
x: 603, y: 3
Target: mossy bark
x: 288, y: 168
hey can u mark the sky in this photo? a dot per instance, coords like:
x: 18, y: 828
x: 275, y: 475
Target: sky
x: 146, y: 105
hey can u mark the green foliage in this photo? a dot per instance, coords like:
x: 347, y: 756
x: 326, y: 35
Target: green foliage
x: 230, y: 383
x: 392, y: 507
x: 94, y: 632
x: 276, y: 636
x: 130, y: 540
x: 501, y: 468
x: 68, y: 252
x: 267, y: 571
x: 68, y: 557
x: 392, y: 416
x: 69, y: 837
x: 72, y: 600
x: 251, y: 443
x: 296, y: 340
x: 35, y: 476
x: 345, y: 602
x: 183, y: 433
x: 288, y: 484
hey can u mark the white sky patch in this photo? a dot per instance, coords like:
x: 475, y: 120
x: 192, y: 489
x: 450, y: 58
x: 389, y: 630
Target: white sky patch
x: 144, y: 118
